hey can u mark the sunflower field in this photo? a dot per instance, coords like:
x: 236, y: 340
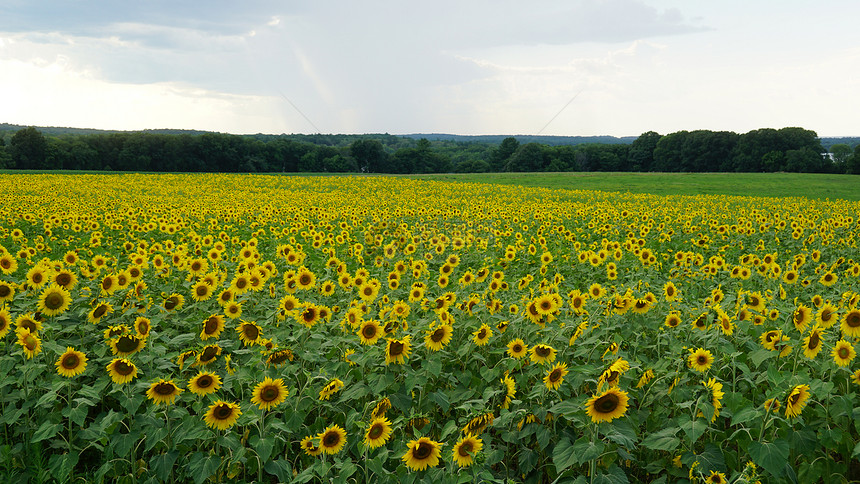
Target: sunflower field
x: 236, y: 328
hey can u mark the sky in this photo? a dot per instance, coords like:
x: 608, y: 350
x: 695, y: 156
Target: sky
x: 552, y: 67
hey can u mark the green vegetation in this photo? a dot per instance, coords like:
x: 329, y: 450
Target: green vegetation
x: 766, y: 150
x: 817, y: 186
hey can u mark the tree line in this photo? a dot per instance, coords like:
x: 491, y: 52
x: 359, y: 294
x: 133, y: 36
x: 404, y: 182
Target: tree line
x: 762, y: 150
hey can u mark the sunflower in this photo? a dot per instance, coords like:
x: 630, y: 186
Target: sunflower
x: 233, y: 309
x: 700, y: 359
x: 465, y: 449
x: 5, y: 322
x: 397, y: 350
x: 66, y: 279
x: 99, y: 311
x: 607, y: 406
x: 309, y: 316
x: 278, y: 357
x: 755, y: 301
x: 174, y: 302
x: 813, y: 343
x: 370, y: 331
x: 54, y: 300
x: 207, y: 355
x: 716, y: 478
x: 310, y: 447
x: 843, y: 352
x: 7, y: 291
x: 438, y: 338
x: 222, y: 415
x: 249, y: 332
x: 330, y: 389
x: 477, y: 425
x: 716, y: 389
x: 142, y: 326
x: 29, y: 322
x: 510, y: 390
x: 851, y: 324
x: 109, y: 285
x: 378, y: 432
x: 8, y: 264
x: 212, y: 327
x: 121, y: 370
x: 163, y: 391
x: 482, y: 335
x: 30, y: 342
x: 543, y: 354
x: 269, y: 393
x: 801, y: 317
x: 226, y: 296
x: 422, y: 453
x: 37, y: 276
x: 646, y: 378
x: 381, y: 407
x: 555, y: 377
x: 856, y: 377
x: 127, y: 344
x: 71, y: 363
x: 201, y: 291
x: 828, y: 279
x: 796, y: 400
x: 332, y: 439
x: 204, y: 383
x: 673, y: 319
x: 827, y: 315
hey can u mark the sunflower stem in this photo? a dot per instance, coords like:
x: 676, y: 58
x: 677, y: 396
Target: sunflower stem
x: 69, y: 418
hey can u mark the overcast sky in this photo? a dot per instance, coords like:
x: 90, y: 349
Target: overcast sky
x: 565, y: 67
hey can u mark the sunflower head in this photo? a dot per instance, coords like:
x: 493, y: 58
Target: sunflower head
x: 71, y: 363
x: 422, y: 453
x: 204, y: 383
x: 269, y: 393
x: 332, y: 439
x: 607, y: 406
x: 121, y: 370
x: 465, y: 450
x: 222, y: 415
x: 163, y: 392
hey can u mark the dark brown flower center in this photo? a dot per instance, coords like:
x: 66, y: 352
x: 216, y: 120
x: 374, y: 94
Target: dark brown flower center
x: 164, y: 388
x: 209, y: 353
x: 607, y: 403
x: 211, y: 326
x: 270, y: 393
x: 70, y: 361
x: 123, y: 368
x: 171, y: 303
x: 375, y: 431
x: 100, y: 311
x: 438, y: 335
x: 369, y: 331
x: 331, y: 439
x: 555, y: 375
x: 843, y: 353
x: 396, y: 348
x: 127, y: 344
x: 423, y: 451
x: 465, y: 449
x: 853, y: 319
x: 223, y: 412
x: 542, y: 351
x: 251, y: 332
x: 54, y: 300
x: 205, y: 381
x: 702, y: 360
x: 814, y: 340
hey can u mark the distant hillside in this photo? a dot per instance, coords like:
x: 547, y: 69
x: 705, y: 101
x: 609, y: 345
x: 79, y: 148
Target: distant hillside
x: 525, y: 138
x: 60, y: 131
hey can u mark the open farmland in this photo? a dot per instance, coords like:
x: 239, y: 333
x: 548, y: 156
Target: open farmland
x: 385, y: 329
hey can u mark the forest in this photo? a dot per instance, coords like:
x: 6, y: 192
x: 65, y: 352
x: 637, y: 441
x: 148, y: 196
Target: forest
x: 790, y: 149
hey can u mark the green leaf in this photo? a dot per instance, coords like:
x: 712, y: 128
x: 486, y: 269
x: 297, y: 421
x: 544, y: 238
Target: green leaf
x: 264, y: 448
x: 586, y: 450
x: 46, y: 431
x: 163, y: 463
x: 663, y: 440
x: 622, y: 433
x: 758, y: 356
x: 202, y: 467
x: 694, y: 429
x: 614, y: 476
x: 745, y: 414
x: 47, y: 398
x: 563, y: 455
x: 771, y: 456
x: 279, y: 468
x: 79, y: 415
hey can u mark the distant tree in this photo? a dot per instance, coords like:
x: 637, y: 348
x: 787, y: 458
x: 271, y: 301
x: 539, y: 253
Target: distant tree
x: 641, y: 154
x: 528, y: 157
x: 840, y: 152
x: 852, y: 164
x: 804, y: 160
x: 500, y: 156
x: 370, y: 156
x: 5, y: 157
x: 29, y: 149
x: 669, y: 152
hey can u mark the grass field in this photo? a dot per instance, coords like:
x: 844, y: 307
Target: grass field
x: 818, y: 186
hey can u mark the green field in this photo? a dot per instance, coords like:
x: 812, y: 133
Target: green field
x: 818, y: 186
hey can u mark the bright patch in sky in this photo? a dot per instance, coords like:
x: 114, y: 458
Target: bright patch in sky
x: 585, y: 67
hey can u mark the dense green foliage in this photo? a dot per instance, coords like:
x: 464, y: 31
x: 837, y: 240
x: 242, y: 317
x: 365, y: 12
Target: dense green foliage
x: 762, y: 150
